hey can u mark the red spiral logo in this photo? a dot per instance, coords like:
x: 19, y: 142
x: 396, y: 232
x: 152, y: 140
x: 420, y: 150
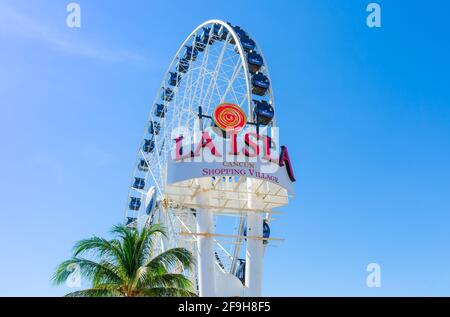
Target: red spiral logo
x: 228, y: 116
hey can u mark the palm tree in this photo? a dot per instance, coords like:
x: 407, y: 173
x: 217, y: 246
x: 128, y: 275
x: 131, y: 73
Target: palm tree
x: 126, y: 266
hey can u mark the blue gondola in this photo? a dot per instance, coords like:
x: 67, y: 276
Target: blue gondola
x: 263, y: 112
x: 174, y: 79
x: 239, y: 32
x: 248, y: 44
x: 266, y: 231
x: 190, y: 53
x: 139, y: 183
x: 167, y: 94
x: 240, y: 270
x: 216, y: 31
x: 149, y: 146
x: 255, y: 62
x: 131, y: 221
x: 223, y: 33
x: 183, y: 65
x: 154, y: 127
x: 160, y: 110
x: 260, y: 84
x: 135, y: 203
x: 206, y: 36
x: 199, y: 44
x: 143, y: 166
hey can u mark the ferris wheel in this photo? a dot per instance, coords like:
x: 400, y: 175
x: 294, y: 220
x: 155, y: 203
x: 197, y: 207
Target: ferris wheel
x: 217, y: 63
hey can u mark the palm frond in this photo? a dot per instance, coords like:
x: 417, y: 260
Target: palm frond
x: 128, y: 239
x: 93, y: 292
x: 100, y: 247
x: 165, y: 292
x: 171, y: 258
x: 148, y: 235
x: 169, y: 280
x: 88, y: 269
x: 103, y: 277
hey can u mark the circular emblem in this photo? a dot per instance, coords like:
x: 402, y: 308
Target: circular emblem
x: 228, y: 116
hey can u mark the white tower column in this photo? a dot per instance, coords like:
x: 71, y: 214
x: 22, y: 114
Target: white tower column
x: 254, y: 252
x: 205, y: 247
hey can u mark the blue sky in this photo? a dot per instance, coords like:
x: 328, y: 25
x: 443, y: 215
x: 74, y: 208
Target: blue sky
x: 365, y: 113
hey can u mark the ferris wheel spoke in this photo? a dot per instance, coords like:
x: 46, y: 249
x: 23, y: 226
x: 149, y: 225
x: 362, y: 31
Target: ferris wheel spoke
x: 153, y: 175
x: 200, y: 77
x: 213, y: 81
x: 187, y: 84
x: 158, y: 159
x: 205, y: 73
x: 229, y: 88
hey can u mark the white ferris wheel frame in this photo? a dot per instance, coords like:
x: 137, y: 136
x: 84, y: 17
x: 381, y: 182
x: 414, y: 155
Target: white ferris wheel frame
x: 232, y: 35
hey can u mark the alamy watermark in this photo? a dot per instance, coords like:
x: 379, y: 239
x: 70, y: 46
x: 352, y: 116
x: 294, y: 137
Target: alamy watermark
x: 374, y: 277
x: 73, y: 19
x: 374, y: 18
x: 74, y: 278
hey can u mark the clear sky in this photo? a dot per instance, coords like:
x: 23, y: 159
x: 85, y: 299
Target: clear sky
x: 365, y: 114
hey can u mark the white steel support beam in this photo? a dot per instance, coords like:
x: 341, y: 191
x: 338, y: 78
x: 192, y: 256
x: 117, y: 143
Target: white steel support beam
x: 255, y: 250
x: 205, y: 247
